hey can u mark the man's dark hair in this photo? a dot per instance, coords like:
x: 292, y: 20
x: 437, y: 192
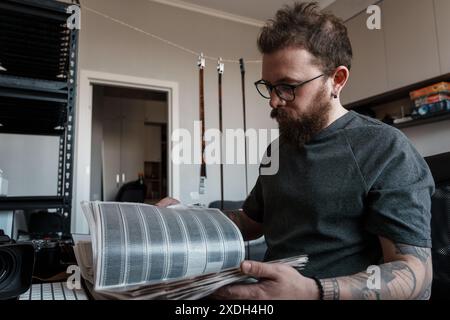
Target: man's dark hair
x: 303, y: 25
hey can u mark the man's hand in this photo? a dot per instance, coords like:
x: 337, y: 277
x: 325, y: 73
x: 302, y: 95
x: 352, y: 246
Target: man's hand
x: 276, y: 281
x: 167, y: 202
x: 406, y: 274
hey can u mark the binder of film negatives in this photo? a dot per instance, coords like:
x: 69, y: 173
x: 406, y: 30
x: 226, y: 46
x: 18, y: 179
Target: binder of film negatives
x: 140, y: 251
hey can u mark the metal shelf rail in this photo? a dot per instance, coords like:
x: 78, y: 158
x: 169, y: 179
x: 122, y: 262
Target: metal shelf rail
x: 38, y: 53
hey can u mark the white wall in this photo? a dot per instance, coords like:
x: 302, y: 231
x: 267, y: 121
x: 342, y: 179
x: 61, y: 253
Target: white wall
x: 30, y: 164
x: 109, y: 47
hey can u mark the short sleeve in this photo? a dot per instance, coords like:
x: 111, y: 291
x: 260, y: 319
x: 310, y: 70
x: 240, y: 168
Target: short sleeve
x: 399, y: 200
x: 254, y: 204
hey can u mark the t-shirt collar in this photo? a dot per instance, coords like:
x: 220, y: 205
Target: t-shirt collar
x: 337, y: 124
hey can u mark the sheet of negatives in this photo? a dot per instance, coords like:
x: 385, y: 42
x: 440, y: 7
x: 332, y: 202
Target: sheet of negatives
x: 146, y: 244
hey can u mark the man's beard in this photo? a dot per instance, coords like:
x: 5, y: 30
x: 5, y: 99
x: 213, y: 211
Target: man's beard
x: 300, y: 131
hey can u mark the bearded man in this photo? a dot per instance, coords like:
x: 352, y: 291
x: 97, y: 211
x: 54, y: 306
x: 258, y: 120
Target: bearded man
x: 351, y: 192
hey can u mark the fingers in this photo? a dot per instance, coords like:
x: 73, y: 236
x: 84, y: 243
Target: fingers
x: 270, y: 277
x: 167, y: 202
x: 260, y: 269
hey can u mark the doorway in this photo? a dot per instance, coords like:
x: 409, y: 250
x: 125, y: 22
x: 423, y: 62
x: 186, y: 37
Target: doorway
x: 83, y: 118
x: 129, y: 144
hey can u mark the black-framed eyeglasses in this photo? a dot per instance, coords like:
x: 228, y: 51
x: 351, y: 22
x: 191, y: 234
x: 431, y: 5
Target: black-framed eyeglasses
x: 284, y: 91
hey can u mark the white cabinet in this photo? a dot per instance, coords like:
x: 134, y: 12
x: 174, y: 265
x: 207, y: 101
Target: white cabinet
x: 123, y: 144
x: 442, y: 13
x: 411, y: 42
x: 368, y: 73
x: 111, y: 170
x: 126, y: 137
x: 132, y: 153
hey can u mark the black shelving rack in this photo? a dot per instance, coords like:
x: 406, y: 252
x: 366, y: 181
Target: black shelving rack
x: 38, y: 54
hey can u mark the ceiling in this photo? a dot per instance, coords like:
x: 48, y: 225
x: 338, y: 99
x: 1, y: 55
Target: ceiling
x: 255, y: 12
x: 255, y: 9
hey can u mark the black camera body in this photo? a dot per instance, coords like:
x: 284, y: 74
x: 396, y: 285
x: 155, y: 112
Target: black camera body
x: 16, y: 267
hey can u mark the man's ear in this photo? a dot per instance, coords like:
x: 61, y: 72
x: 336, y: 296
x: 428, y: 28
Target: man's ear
x: 339, y: 79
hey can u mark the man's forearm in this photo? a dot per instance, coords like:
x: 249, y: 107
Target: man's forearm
x: 250, y: 229
x: 236, y: 217
x: 397, y: 280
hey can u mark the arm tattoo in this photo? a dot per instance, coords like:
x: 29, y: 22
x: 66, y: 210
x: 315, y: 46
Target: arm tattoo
x: 423, y: 254
x: 397, y: 279
x: 420, y: 253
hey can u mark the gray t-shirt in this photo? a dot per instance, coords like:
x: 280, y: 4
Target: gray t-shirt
x: 358, y: 179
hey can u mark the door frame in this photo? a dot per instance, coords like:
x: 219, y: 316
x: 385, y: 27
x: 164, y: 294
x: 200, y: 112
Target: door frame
x: 83, y: 118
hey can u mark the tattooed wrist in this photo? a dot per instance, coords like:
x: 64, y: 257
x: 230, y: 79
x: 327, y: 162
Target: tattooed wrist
x: 401, y: 279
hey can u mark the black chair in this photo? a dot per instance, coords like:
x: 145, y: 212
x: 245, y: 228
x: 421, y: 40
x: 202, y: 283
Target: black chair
x: 227, y: 205
x: 134, y: 191
x: 440, y: 225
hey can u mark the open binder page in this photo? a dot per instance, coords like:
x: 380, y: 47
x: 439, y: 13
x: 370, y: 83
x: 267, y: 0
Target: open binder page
x: 139, y: 243
x: 140, y: 251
